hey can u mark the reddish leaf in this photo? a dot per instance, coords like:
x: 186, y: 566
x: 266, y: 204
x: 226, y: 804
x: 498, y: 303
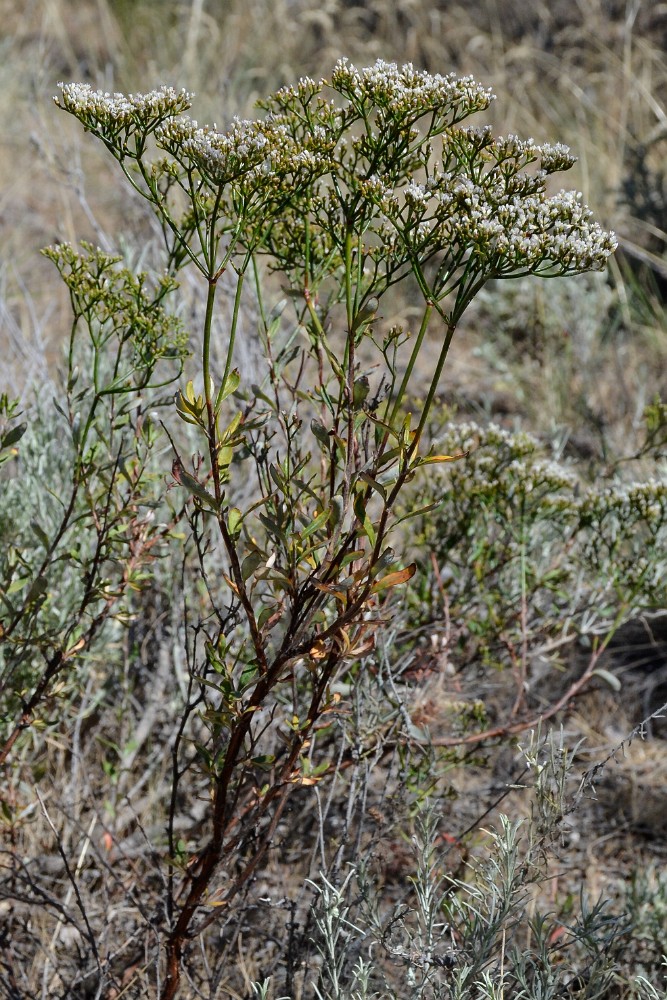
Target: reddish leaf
x: 394, y: 579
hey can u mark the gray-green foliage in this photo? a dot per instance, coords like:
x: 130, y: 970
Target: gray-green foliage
x: 530, y: 553
x: 83, y: 512
x: 483, y: 934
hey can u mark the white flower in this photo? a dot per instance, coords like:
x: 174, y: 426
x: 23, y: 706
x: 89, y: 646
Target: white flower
x: 101, y: 107
x: 415, y: 194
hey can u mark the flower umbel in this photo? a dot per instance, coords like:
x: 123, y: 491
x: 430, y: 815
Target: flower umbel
x: 110, y: 114
x: 382, y: 150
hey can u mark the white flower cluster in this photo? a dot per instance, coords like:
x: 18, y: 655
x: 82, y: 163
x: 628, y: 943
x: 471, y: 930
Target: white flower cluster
x: 511, y: 234
x: 624, y: 534
x: 649, y: 499
x: 513, y: 504
x: 556, y: 156
x: 556, y: 229
x: 111, y: 299
x: 470, y: 436
x: 368, y: 154
x: 416, y: 194
x: 257, y: 153
x: 617, y: 509
x: 541, y: 473
x: 476, y: 137
x: 97, y: 107
x: 511, y: 147
x: 378, y: 191
x: 409, y: 91
x: 504, y: 463
x: 301, y: 93
x: 481, y: 198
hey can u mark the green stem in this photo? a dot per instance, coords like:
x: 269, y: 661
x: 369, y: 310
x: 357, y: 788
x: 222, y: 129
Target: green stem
x: 258, y: 292
x: 232, y: 335
x: 348, y: 299
x: 215, y: 469
x: 206, y: 357
x: 411, y: 363
x: 160, y: 205
x: 428, y: 402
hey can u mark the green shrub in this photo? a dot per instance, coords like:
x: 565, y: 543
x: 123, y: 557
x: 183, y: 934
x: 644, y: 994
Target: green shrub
x: 294, y: 493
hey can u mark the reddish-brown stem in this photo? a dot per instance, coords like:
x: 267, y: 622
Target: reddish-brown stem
x: 209, y: 860
x: 511, y: 729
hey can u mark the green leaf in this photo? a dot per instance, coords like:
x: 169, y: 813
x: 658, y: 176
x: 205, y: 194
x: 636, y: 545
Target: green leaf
x: 351, y: 557
x: 390, y: 457
x: 18, y: 584
x: 248, y: 676
x: 8, y: 604
x: 315, y: 525
x: 13, y: 435
x: 420, y: 510
x: 609, y: 678
x: 285, y: 356
x: 234, y: 521
x: 264, y: 761
x: 191, y: 484
x: 277, y: 477
x: 374, y: 484
x: 224, y: 687
x: 385, y: 560
x: 337, y: 509
x: 272, y: 527
x: 264, y: 615
x: 250, y: 564
x: 76, y: 429
x: 187, y: 411
x: 231, y: 430
x: 360, y: 391
x: 229, y: 386
x: 437, y: 459
x: 41, y: 534
x: 362, y: 515
x: 366, y: 314
x: 260, y: 394
x: 382, y: 425
x: 320, y: 433
x: 369, y: 530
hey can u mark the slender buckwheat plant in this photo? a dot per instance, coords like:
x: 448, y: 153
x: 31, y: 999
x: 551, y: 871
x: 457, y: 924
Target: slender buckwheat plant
x: 344, y: 188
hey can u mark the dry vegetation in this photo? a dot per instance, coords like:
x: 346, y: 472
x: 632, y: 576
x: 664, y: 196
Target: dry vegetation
x: 85, y: 800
